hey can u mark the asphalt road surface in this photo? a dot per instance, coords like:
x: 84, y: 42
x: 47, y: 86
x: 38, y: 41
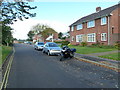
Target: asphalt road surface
x: 33, y: 69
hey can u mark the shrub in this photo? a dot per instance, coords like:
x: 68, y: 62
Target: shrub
x: 106, y: 46
x: 65, y: 43
x: 83, y: 44
x: 117, y: 45
x: 58, y: 42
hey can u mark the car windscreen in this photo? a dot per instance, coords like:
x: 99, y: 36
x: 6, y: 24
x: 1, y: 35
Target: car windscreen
x: 53, y: 45
x: 40, y: 43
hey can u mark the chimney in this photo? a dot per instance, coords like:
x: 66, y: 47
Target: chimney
x: 98, y: 9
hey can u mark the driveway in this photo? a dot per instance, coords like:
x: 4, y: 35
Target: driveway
x: 33, y: 69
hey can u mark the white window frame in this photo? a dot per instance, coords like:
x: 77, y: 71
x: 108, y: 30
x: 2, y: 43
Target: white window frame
x: 91, y: 37
x: 79, y: 38
x: 91, y: 24
x: 103, y: 36
x: 80, y: 26
x: 72, y: 28
x: 103, y: 20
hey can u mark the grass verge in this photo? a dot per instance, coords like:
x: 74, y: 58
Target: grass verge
x: 89, y: 50
x: 114, y: 56
x: 4, y: 52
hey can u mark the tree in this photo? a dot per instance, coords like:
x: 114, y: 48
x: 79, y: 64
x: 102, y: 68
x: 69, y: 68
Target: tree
x: 30, y: 35
x: 39, y: 28
x: 0, y: 33
x: 7, y: 37
x: 11, y: 11
x: 43, y: 30
x: 47, y: 32
x: 60, y: 35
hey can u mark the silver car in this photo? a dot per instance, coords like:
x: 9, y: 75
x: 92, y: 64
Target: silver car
x: 51, y: 48
x: 39, y: 45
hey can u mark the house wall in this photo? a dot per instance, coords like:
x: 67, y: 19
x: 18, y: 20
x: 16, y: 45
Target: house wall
x: 55, y: 36
x: 115, y: 26
x: 98, y: 29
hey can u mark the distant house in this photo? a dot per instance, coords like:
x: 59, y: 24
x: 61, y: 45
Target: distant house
x: 52, y: 37
x: 39, y: 38
x: 102, y: 26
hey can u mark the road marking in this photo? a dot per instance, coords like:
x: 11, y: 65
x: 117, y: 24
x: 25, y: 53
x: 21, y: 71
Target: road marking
x: 7, y: 72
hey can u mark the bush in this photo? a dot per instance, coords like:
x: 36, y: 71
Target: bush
x: 83, y: 44
x: 117, y: 45
x: 106, y: 46
x: 59, y: 42
x: 65, y: 43
x: 102, y: 46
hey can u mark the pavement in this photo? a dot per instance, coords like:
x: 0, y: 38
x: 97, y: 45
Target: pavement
x: 94, y: 59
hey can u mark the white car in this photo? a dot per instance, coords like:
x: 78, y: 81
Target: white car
x: 38, y: 45
x: 51, y: 48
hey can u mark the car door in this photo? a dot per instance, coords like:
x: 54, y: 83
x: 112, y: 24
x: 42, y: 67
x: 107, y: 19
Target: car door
x: 45, y: 47
x: 35, y: 45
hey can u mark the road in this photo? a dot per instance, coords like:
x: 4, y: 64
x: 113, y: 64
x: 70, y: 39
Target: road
x: 33, y: 69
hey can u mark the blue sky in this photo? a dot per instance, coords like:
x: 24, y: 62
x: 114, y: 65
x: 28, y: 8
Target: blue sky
x: 58, y: 15
x: 67, y: 11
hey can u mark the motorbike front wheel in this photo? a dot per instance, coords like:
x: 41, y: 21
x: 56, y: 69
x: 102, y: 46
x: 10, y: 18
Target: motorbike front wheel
x: 61, y: 57
x: 71, y: 55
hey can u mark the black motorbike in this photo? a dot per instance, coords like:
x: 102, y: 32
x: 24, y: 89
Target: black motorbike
x: 67, y: 53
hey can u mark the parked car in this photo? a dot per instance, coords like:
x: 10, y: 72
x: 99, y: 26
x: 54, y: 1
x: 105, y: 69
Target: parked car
x: 28, y: 42
x: 51, y: 48
x: 39, y: 45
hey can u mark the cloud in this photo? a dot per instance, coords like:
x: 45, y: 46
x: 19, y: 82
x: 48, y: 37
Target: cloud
x: 21, y: 28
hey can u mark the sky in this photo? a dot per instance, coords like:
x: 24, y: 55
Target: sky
x: 58, y: 15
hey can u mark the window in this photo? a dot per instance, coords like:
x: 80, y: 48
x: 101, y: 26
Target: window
x: 72, y: 28
x: 79, y: 38
x: 103, y: 36
x: 72, y: 38
x: 103, y: 20
x: 40, y: 43
x: 91, y: 37
x: 53, y: 45
x: 91, y: 24
x: 79, y: 26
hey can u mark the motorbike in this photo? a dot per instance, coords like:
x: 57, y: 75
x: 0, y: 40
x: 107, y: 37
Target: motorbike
x: 67, y: 53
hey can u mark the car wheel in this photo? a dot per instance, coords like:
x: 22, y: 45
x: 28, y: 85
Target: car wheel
x: 43, y: 51
x: 48, y: 53
x: 36, y: 48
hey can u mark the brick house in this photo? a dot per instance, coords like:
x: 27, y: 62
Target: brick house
x: 102, y: 26
x: 39, y: 38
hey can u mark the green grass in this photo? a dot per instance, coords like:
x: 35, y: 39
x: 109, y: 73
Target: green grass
x: 0, y: 55
x: 114, y: 56
x: 89, y: 50
x: 4, y: 52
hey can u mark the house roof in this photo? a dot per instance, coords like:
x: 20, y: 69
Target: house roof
x: 96, y: 15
